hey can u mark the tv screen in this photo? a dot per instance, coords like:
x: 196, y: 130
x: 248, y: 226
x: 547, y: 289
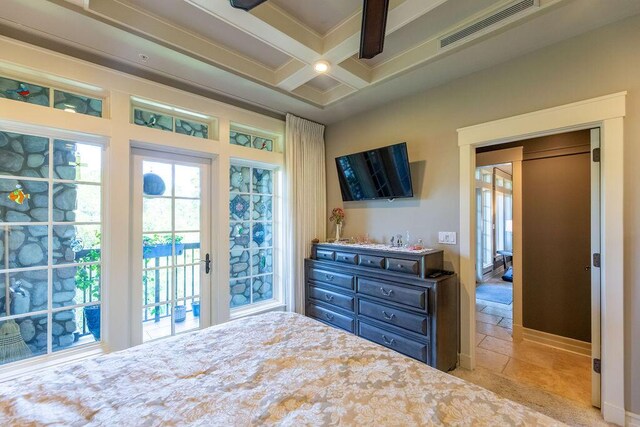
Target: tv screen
x: 381, y: 173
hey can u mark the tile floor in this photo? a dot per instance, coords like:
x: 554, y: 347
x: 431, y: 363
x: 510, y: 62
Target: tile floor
x: 556, y: 371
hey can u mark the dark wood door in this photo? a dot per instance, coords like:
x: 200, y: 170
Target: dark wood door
x: 556, y: 245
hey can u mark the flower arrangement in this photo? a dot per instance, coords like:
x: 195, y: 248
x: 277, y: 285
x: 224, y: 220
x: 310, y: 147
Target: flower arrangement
x: 337, y: 216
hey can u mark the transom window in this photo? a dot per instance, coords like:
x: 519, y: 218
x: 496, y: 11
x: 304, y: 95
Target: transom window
x: 50, y: 245
x: 251, y: 235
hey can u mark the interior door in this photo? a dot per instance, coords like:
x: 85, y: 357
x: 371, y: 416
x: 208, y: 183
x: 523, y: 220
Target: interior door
x: 171, y: 291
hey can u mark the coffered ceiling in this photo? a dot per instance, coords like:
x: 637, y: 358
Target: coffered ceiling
x: 265, y: 57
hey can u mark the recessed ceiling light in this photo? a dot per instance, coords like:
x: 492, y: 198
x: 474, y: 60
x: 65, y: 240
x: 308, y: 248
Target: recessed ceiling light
x: 321, y: 66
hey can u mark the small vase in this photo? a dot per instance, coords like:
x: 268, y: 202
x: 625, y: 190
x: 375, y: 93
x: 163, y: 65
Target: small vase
x: 338, y: 230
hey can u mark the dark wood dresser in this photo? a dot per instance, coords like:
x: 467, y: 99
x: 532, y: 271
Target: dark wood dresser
x: 398, y: 299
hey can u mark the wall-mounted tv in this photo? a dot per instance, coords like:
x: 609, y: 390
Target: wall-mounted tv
x: 381, y: 173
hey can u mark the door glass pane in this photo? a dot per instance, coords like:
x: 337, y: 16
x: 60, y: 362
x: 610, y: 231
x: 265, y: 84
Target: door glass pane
x: 171, y: 279
x: 187, y: 181
x: 187, y: 214
x: 156, y: 214
x: 156, y: 322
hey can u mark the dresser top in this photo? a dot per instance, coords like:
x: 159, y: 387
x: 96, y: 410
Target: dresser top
x: 378, y: 247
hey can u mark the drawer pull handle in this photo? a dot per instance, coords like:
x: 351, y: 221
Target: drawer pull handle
x: 388, y: 316
x: 329, y: 277
x: 386, y: 292
x: 388, y: 341
x: 328, y: 297
x: 329, y: 316
x: 370, y: 262
x: 400, y: 266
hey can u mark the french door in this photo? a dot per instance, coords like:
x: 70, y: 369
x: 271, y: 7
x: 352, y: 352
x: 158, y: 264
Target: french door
x: 171, y: 283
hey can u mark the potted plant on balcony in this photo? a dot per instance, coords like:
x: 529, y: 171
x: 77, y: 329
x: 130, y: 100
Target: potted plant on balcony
x: 196, y: 308
x: 88, y: 280
x: 158, y: 246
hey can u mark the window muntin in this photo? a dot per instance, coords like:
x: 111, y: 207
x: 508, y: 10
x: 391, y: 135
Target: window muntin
x: 251, y: 239
x: 50, y: 240
x: 169, y: 123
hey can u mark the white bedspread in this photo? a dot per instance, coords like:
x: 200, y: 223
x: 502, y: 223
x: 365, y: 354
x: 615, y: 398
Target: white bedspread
x: 277, y: 368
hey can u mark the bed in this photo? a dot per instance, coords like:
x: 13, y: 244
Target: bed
x: 275, y: 368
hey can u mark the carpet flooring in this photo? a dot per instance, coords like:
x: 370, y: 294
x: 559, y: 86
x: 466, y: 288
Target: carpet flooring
x: 557, y: 407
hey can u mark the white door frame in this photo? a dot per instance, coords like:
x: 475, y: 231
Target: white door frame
x: 607, y: 113
x: 206, y: 280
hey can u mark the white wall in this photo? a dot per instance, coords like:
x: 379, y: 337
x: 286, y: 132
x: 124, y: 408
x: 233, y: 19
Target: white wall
x: 41, y: 66
x: 601, y: 62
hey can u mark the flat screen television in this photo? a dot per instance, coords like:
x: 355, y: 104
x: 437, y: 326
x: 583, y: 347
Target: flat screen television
x: 381, y: 173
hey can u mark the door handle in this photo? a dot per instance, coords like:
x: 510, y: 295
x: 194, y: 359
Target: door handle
x: 587, y: 268
x: 207, y: 263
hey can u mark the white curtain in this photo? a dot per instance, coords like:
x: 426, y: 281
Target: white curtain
x: 306, y: 200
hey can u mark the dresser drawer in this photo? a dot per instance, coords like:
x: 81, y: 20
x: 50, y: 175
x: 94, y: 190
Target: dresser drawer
x: 408, y: 296
x: 403, y: 265
x: 403, y: 345
x: 325, y: 255
x: 330, y: 297
x: 371, y: 261
x: 347, y: 258
x: 326, y: 315
x: 330, y: 277
x: 393, y: 316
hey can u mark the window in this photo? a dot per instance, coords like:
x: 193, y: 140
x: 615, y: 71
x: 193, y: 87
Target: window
x: 50, y: 245
x: 170, y: 123
x: 251, y: 235
x: 246, y: 139
x: 30, y: 93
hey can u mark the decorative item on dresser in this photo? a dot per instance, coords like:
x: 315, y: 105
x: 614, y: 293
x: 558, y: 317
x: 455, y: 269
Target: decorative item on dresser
x: 396, y: 297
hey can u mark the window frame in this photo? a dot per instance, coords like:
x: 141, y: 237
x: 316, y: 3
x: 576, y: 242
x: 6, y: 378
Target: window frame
x: 89, y: 349
x: 277, y: 300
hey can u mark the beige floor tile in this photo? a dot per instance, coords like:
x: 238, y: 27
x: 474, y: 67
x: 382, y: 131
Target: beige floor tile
x: 498, y: 311
x: 505, y: 322
x: 494, y: 331
x: 525, y: 351
x: 479, y: 338
x: 488, y: 318
x: 491, y: 360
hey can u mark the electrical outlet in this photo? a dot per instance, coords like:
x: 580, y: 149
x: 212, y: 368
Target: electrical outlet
x: 447, y: 237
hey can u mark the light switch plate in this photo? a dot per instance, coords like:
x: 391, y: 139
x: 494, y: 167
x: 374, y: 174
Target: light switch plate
x: 447, y: 237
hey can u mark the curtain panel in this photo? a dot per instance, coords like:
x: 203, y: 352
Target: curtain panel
x: 306, y: 201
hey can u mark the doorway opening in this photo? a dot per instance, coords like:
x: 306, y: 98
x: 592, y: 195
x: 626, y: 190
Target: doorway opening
x: 494, y: 240
x: 606, y: 112
x: 548, y: 338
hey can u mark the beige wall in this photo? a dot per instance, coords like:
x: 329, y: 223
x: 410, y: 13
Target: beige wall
x: 601, y: 62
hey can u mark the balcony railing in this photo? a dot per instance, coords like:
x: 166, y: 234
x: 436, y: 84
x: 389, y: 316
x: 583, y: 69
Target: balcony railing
x: 157, y: 258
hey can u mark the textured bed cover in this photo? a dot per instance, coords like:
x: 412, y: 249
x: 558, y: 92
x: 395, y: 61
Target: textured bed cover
x: 275, y: 368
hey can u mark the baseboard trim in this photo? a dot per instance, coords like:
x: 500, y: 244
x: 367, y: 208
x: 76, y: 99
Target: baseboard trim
x: 563, y: 343
x: 518, y: 332
x: 613, y: 414
x: 464, y: 361
x: 633, y: 420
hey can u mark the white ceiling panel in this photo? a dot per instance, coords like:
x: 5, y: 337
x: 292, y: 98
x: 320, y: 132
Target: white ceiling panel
x: 195, y: 20
x: 319, y: 15
x: 323, y: 83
